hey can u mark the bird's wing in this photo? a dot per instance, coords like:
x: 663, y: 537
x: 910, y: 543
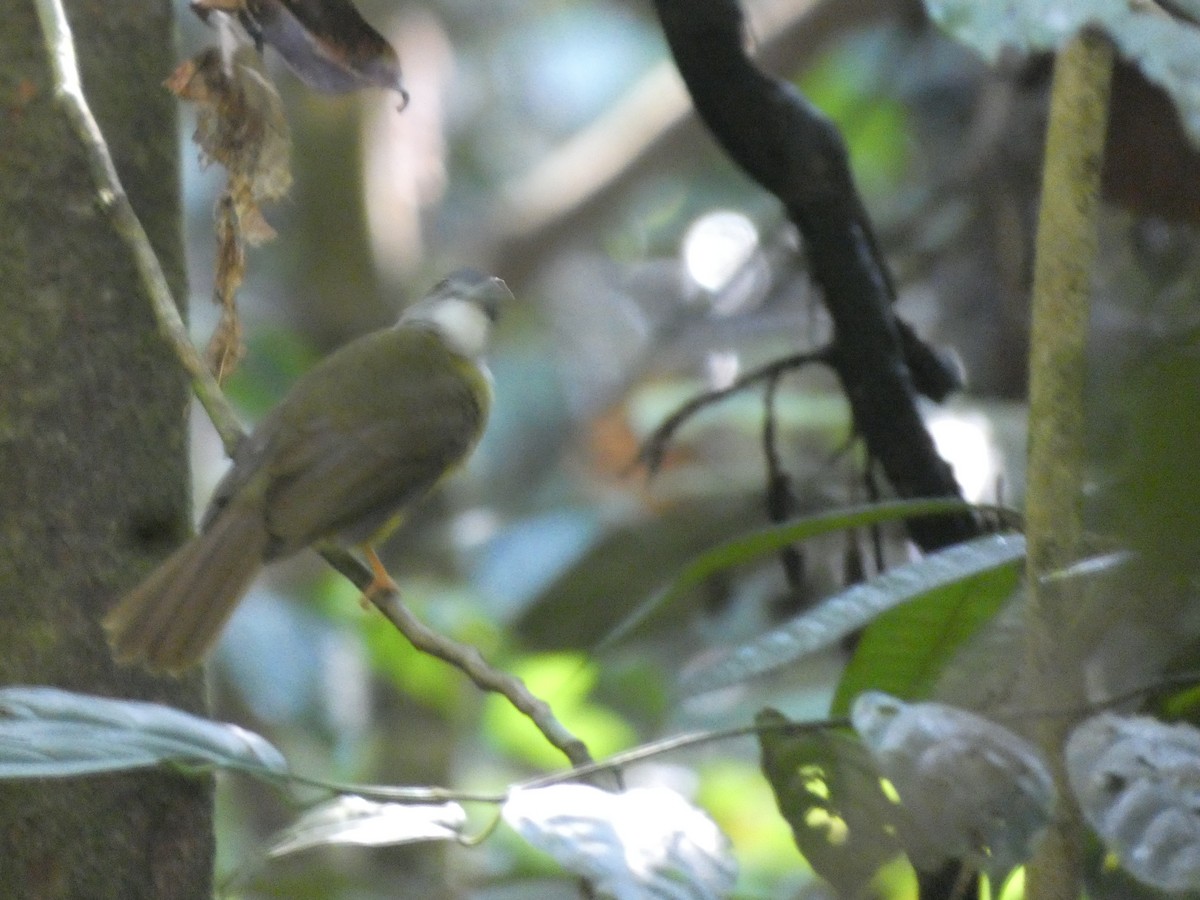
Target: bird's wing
x: 349, y: 469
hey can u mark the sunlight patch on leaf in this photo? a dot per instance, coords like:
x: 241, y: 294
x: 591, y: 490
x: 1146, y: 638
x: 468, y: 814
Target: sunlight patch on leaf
x: 850, y: 610
x: 829, y: 792
x: 644, y: 842
x: 50, y: 733
x: 367, y: 823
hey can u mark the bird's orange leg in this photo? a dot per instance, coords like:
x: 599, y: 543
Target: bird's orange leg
x: 381, y: 581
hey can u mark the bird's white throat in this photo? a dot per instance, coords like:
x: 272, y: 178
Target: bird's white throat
x: 463, y: 325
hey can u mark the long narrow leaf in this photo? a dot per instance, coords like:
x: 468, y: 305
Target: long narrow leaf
x: 906, y: 649
x: 51, y: 733
x: 772, y: 539
x: 856, y: 607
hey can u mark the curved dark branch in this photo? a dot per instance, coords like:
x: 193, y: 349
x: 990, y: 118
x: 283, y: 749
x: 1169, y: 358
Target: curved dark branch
x: 787, y: 146
x: 655, y: 447
x: 781, y: 500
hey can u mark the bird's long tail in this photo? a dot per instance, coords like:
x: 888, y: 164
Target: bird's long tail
x: 173, y: 618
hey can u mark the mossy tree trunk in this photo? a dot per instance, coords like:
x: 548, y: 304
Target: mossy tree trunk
x: 93, y: 450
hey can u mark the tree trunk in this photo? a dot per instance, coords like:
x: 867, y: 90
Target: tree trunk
x: 93, y: 445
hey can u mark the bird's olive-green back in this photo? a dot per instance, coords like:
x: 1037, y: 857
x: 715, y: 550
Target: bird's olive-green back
x: 363, y: 434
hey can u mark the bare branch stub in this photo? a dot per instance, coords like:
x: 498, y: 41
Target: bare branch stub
x: 785, y: 144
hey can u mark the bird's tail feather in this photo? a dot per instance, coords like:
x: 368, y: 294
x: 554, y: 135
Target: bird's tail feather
x: 172, y: 619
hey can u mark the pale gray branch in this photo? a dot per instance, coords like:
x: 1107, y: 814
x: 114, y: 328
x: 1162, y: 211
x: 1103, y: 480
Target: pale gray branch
x: 60, y: 47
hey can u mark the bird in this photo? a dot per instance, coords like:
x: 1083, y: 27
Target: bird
x: 355, y: 443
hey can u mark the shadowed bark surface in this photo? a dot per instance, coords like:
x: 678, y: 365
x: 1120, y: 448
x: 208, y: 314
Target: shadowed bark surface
x: 92, y: 445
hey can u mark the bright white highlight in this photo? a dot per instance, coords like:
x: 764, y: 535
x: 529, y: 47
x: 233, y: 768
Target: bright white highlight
x: 723, y: 368
x: 716, y: 247
x: 966, y: 441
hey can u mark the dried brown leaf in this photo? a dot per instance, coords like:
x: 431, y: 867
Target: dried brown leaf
x: 329, y: 46
x: 239, y: 121
x: 239, y: 124
x: 225, y: 347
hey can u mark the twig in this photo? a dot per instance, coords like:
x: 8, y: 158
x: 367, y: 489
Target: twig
x: 462, y: 656
x: 60, y: 47
x: 655, y: 447
x: 682, y: 742
x: 873, y: 495
x: 433, y: 794
x: 781, y: 502
x: 69, y: 90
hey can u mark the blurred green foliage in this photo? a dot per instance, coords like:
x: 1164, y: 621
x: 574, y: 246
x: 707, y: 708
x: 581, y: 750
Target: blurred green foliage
x: 847, y: 84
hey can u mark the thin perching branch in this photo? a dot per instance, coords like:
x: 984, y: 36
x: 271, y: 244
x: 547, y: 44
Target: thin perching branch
x: 462, y: 656
x: 60, y: 47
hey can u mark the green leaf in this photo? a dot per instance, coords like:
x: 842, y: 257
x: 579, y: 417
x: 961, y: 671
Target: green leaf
x: 772, y: 539
x: 937, y: 575
x: 1167, y: 51
x: 50, y: 733
x: 829, y: 792
x: 643, y: 842
x: 905, y: 649
x: 1168, y: 54
x: 368, y: 823
x: 971, y: 790
x: 1028, y: 26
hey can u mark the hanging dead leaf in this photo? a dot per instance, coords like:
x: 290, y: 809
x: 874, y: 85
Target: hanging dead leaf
x: 327, y: 43
x: 225, y: 347
x: 239, y: 123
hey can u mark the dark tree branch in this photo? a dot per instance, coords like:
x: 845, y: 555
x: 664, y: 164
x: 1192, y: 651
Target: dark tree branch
x: 781, y: 500
x: 793, y: 151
